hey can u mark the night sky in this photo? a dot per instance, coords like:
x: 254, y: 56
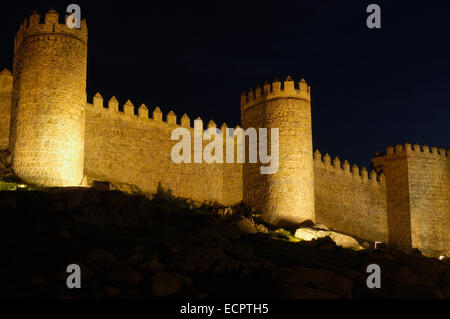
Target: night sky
x: 370, y: 88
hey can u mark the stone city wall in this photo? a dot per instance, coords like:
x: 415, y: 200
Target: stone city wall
x: 348, y: 200
x: 129, y: 148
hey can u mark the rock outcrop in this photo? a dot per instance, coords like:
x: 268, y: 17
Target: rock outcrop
x: 339, y: 239
x: 128, y: 246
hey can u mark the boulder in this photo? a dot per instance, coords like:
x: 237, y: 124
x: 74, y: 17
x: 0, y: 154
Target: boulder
x: 342, y: 240
x: 307, y: 234
x: 246, y: 226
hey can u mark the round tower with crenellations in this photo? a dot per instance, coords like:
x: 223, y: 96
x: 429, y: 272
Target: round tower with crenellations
x: 49, y: 101
x: 287, y: 196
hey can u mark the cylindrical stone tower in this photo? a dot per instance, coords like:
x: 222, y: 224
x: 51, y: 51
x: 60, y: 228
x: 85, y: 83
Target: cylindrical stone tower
x: 287, y: 196
x: 49, y: 101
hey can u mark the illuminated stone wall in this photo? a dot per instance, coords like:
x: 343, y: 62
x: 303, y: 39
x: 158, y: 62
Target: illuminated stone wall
x: 48, y: 101
x: 288, y: 195
x: 5, y: 107
x: 350, y: 200
x: 125, y: 148
x: 56, y: 137
x: 418, y: 197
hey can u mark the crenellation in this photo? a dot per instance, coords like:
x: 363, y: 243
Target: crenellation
x: 266, y: 86
x: 389, y: 150
x: 276, y: 87
x: 185, y: 121
x: 157, y: 114
x: 128, y: 108
x: 171, y: 118
x: 289, y: 85
x: 143, y: 112
x: 303, y: 86
x: 251, y: 95
x: 51, y: 17
x: 407, y: 147
x: 138, y: 115
x: 364, y: 174
x: 97, y: 100
x: 355, y: 170
x: 35, y: 19
x: 337, y: 163
x: 317, y: 156
x: 212, y: 124
x: 50, y: 29
x: 327, y: 160
x: 276, y: 90
x: 373, y: 176
x: 346, y: 167
x: 258, y: 91
x: 113, y: 104
x: 223, y: 129
x: 382, y: 178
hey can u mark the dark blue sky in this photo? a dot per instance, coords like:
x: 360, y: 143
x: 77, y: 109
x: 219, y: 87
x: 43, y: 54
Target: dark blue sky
x: 370, y: 88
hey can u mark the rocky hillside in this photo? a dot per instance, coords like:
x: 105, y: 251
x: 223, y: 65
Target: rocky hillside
x: 129, y: 246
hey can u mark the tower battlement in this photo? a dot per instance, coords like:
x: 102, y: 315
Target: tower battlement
x: 51, y: 28
x: 275, y: 90
x: 416, y: 148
